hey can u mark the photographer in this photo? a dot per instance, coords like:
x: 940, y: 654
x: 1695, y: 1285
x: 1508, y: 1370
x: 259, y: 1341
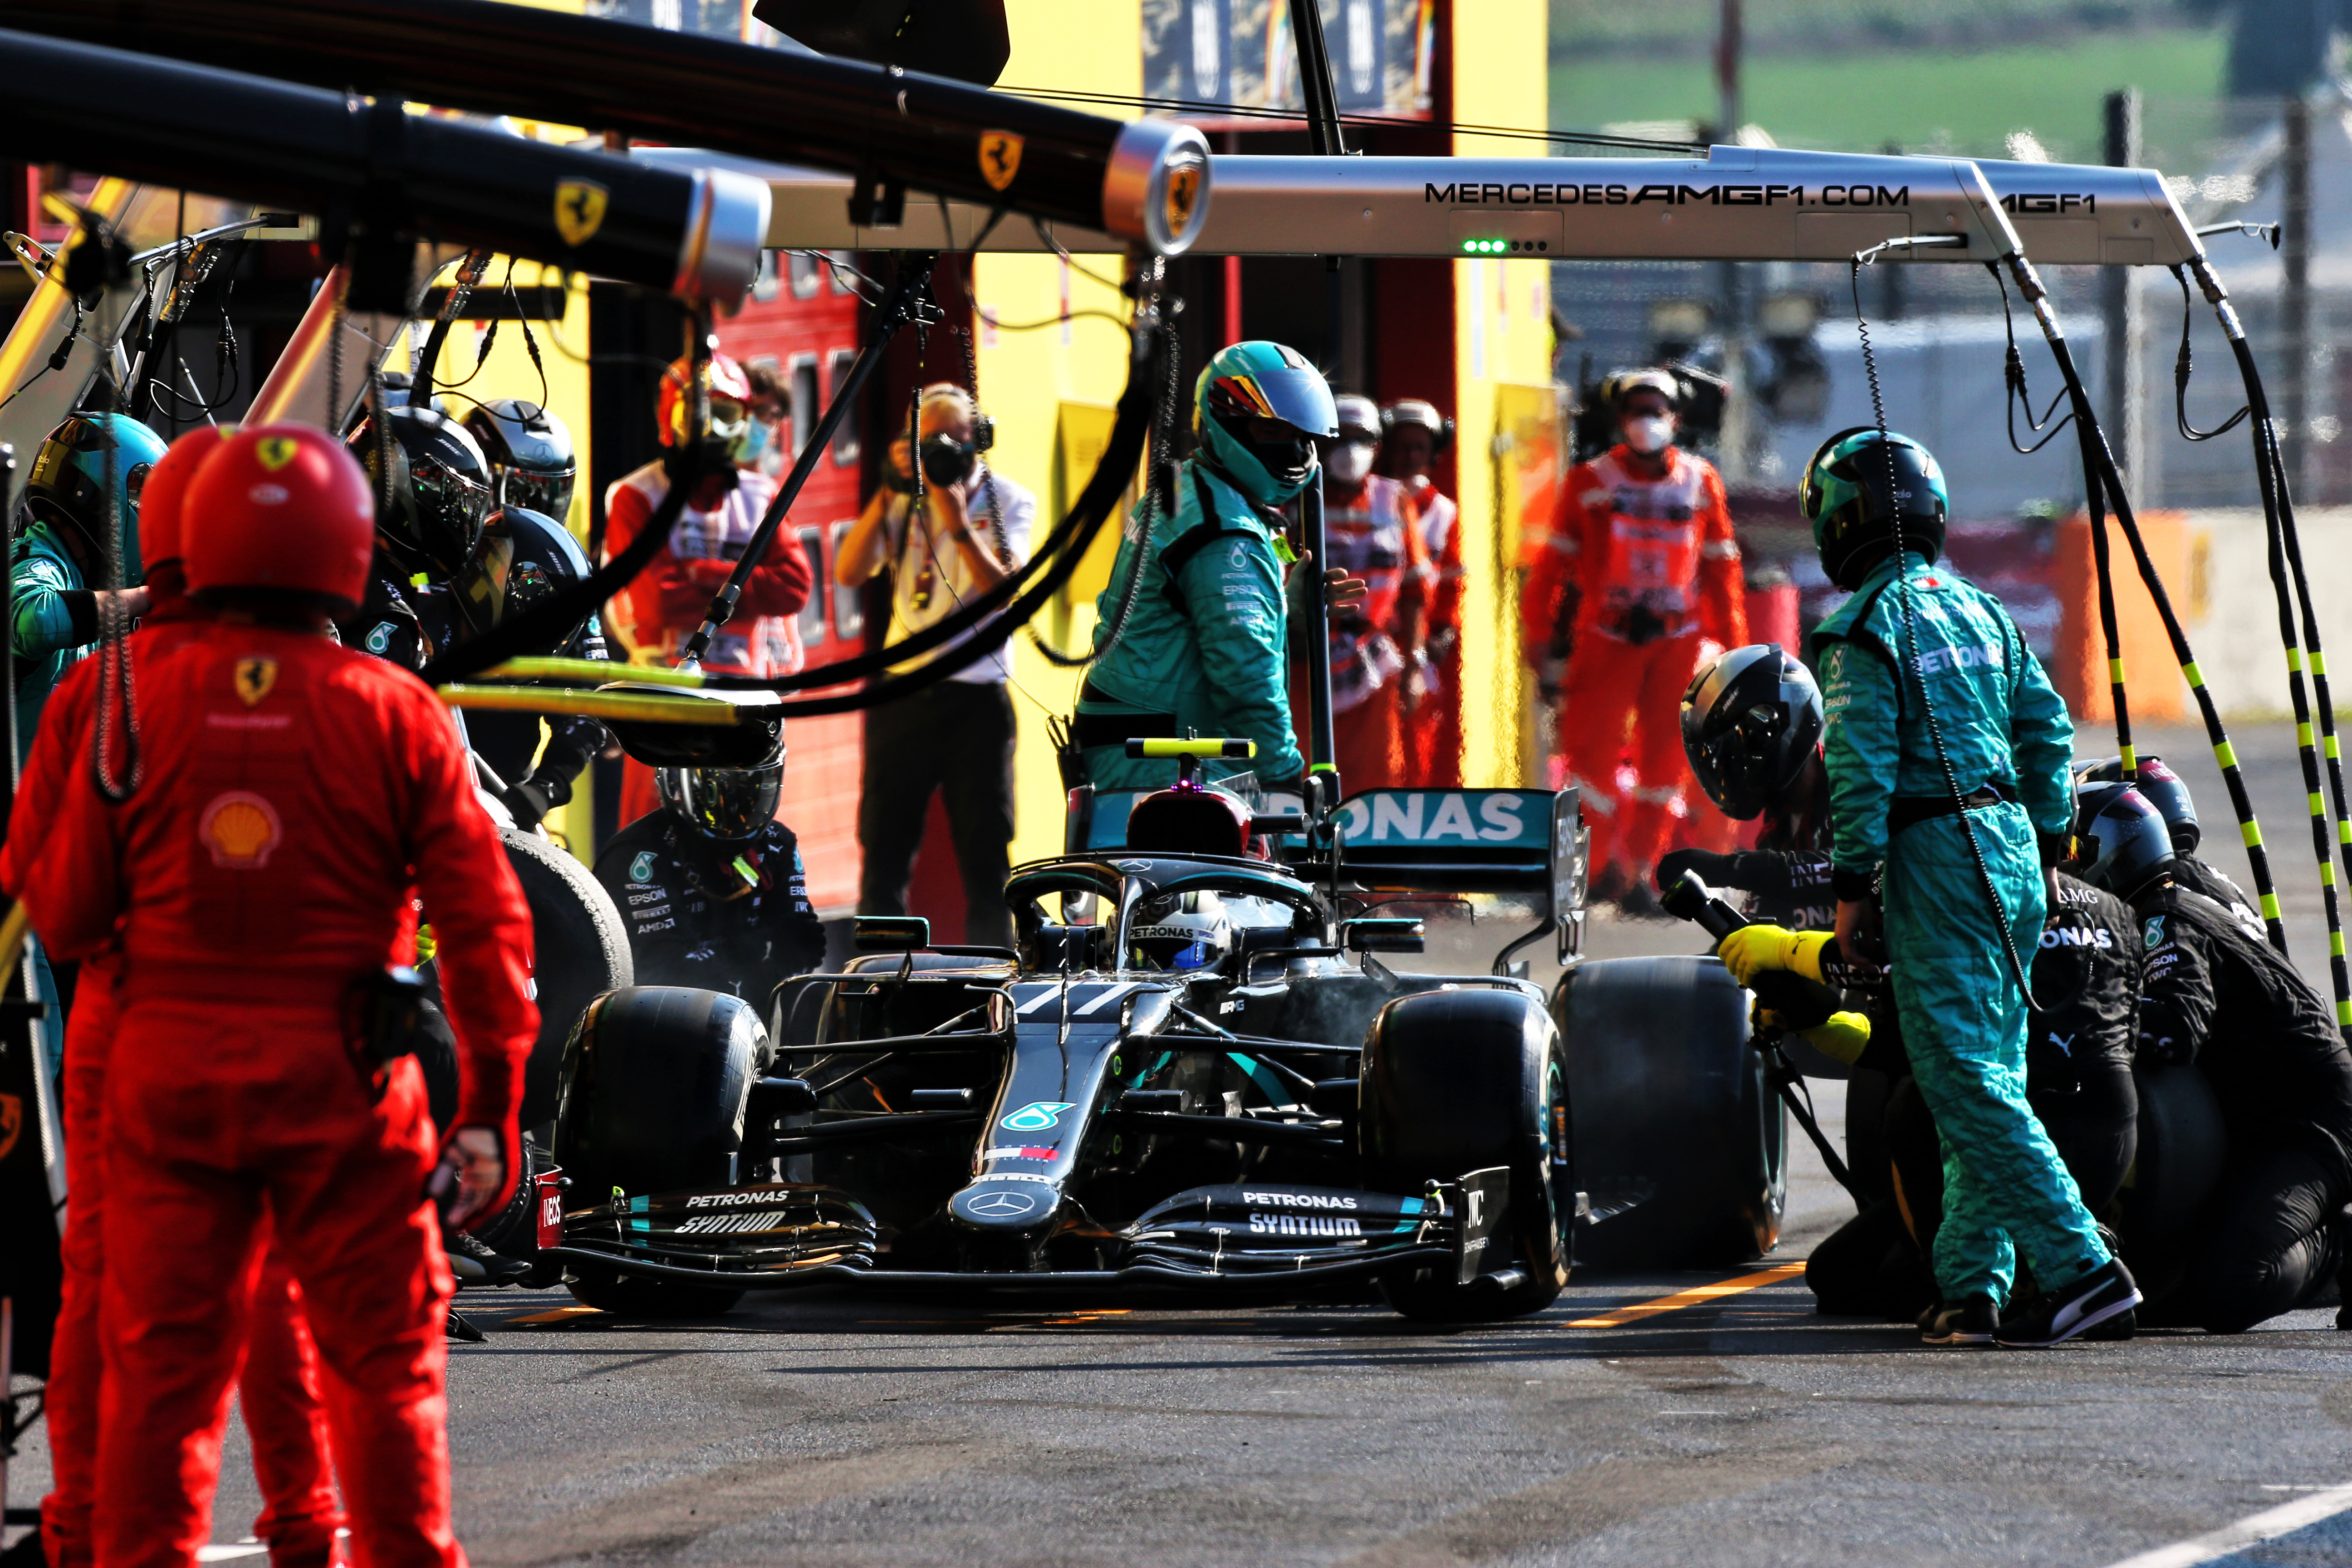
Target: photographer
x: 955, y: 736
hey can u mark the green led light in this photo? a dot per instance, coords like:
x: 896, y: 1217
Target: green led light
x: 1485, y: 247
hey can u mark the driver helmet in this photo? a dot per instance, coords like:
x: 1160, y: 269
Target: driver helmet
x: 1258, y: 408
x: 2121, y: 843
x: 86, y: 462
x: 438, y: 493
x: 731, y: 804
x: 533, y: 462
x: 1181, y: 931
x: 2164, y: 789
x: 1750, y: 719
x: 1844, y: 494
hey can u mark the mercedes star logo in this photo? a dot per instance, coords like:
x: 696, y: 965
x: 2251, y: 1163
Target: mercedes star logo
x: 1000, y: 1206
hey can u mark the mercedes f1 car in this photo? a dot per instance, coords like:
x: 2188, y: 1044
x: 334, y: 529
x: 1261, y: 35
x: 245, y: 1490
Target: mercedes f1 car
x: 1197, y: 1073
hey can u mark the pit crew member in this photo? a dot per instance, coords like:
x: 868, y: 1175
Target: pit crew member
x: 2168, y: 792
x: 1379, y: 651
x: 438, y: 498
x: 257, y: 896
x: 1412, y: 435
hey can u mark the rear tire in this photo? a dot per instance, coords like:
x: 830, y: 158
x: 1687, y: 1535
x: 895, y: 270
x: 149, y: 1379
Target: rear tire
x: 654, y: 1083
x: 1463, y: 1080
x: 1674, y: 1116
x: 2182, y: 1143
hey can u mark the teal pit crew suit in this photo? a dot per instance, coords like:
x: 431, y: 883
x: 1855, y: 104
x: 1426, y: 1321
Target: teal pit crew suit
x: 1964, y: 1021
x: 1206, y: 649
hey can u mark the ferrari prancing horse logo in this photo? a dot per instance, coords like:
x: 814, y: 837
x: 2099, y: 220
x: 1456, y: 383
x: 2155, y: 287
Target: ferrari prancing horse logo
x: 1000, y: 158
x: 579, y: 210
x: 255, y: 677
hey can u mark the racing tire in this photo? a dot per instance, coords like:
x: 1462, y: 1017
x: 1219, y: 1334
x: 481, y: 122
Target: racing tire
x: 2182, y: 1143
x: 1462, y: 1080
x: 513, y: 1231
x: 654, y: 1082
x: 1679, y: 1137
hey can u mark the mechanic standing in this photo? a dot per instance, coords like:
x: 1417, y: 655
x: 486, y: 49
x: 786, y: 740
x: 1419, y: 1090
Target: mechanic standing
x: 1206, y: 646
x: 1974, y: 696
x: 1413, y: 434
x: 278, y: 1387
x: 2216, y: 994
x: 954, y: 737
x: 656, y: 613
x: 259, y: 1066
x: 1379, y: 652
x: 1639, y: 573
x: 712, y: 886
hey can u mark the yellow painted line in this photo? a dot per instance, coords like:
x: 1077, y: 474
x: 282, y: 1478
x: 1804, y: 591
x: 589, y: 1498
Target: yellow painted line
x: 1699, y: 1296
x: 560, y: 1315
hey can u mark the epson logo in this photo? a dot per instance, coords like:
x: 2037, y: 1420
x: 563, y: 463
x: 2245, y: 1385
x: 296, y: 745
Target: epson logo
x: 1300, y: 1200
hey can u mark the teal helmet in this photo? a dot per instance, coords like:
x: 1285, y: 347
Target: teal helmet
x: 1259, y: 381
x: 85, y: 461
x: 1845, y: 493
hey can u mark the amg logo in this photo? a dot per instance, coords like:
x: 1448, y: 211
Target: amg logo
x: 724, y: 1200
x: 722, y: 1224
x: 1303, y: 1225
x: 1538, y: 193
x: 1299, y: 1200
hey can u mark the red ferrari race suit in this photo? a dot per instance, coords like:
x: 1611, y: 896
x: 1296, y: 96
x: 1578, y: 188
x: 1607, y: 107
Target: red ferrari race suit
x: 294, y: 792
x: 656, y: 613
x: 279, y: 1383
x: 1374, y: 537
x: 1434, y: 730
x: 1636, y: 572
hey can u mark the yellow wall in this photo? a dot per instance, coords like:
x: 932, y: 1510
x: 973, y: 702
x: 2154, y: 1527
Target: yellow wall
x: 1028, y: 375
x: 1503, y: 337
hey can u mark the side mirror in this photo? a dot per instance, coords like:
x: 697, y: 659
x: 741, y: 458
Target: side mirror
x: 891, y: 933
x: 1382, y: 936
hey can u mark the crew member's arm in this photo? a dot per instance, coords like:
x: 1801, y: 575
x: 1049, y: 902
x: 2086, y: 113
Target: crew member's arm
x: 51, y: 609
x: 66, y: 864
x: 2176, y: 1004
x: 1722, y: 580
x: 780, y: 584
x: 636, y: 608
x: 2042, y: 741
x: 956, y: 529
x: 1232, y: 593
x: 1548, y: 610
x: 1860, y: 750
x: 798, y: 936
x: 1412, y: 607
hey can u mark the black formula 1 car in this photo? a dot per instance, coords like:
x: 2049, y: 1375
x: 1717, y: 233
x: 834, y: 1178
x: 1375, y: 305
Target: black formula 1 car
x: 1214, y: 1085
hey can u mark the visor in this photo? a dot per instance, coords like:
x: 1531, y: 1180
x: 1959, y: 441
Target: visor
x: 550, y: 494
x: 729, y: 802
x: 1297, y: 396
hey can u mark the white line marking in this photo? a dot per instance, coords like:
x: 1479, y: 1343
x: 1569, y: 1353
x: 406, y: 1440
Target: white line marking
x: 2267, y: 1525
x: 1038, y: 1001
x: 1110, y: 994
x: 237, y: 1553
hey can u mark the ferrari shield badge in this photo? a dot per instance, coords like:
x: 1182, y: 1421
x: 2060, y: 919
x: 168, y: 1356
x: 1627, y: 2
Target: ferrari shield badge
x: 1000, y: 158
x: 579, y: 210
x: 255, y: 678
x: 12, y: 1123
x: 1183, y: 190
x: 275, y: 451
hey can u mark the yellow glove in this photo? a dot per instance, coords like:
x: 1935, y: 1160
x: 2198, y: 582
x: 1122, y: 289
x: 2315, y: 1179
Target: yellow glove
x: 1842, y: 1035
x: 1752, y: 949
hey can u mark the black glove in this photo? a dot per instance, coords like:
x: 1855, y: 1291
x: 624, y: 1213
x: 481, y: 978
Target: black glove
x: 1712, y: 870
x: 535, y: 797
x: 2056, y: 849
x: 2164, y: 1050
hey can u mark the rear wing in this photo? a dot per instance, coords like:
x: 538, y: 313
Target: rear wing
x: 1529, y: 841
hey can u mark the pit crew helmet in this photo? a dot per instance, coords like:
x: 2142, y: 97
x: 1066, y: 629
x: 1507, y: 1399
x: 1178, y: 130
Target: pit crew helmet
x: 728, y: 803
x: 438, y: 494
x: 283, y: 511
x: 524, y: 556
x: 1181, y: 931
x: 2164, y: 789
x: 84, y: 461
x: 1750, y: 719
x: 2121, y: 843
x: 533, y: 461
x: 1415, y: 411
x: 731, y: 402
x: 161, y: 538
x: 1844, y: 494
x: 1257, y: 381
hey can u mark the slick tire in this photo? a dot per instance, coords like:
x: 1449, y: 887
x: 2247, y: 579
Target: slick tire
x: 1456, y: 1081
x: 1680, y: 1142
x: 2182, y: 1145
x: 513, y: 1231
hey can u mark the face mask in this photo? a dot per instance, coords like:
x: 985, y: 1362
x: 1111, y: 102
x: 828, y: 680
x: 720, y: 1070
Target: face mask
x: 1650, y: 433
x: 746, y: 448
x: 1349, y: 463
x: 948, y: 461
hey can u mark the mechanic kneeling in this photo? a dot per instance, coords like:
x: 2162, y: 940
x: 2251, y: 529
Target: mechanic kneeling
x: 712, y: 886
x: 2270, y: 1238
x: 260, y: 1065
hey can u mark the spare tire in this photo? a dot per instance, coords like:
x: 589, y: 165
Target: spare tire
x: 1680, y: 1142
x: 2181, y: 1144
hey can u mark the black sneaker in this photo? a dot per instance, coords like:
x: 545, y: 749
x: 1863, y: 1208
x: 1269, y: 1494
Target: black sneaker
x: 1971, y: 1321
x: 497, y: 1267
x: 2105, y: 1295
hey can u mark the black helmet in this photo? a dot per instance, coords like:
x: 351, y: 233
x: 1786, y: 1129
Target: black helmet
x: 2120, y: 842
x: 725, y: 803
x: 524, y: 556
x: 440, y: 490
x: 2164, y: 790
x: 1844, y: 493
x: 1181, y: 931
x: 1750, y: 718
x: 533, y: 463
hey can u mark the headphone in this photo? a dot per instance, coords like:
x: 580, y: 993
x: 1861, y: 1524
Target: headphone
x: 1439, y: 439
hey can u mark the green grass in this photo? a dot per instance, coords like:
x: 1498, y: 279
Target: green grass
x: 1658, y: 27
x: 1927, y: 99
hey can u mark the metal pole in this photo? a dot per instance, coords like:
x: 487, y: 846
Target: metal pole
x: 2294, y: 294
x: 1322, y: 756
x: 1316, y: 83
x: 2125, y: 318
